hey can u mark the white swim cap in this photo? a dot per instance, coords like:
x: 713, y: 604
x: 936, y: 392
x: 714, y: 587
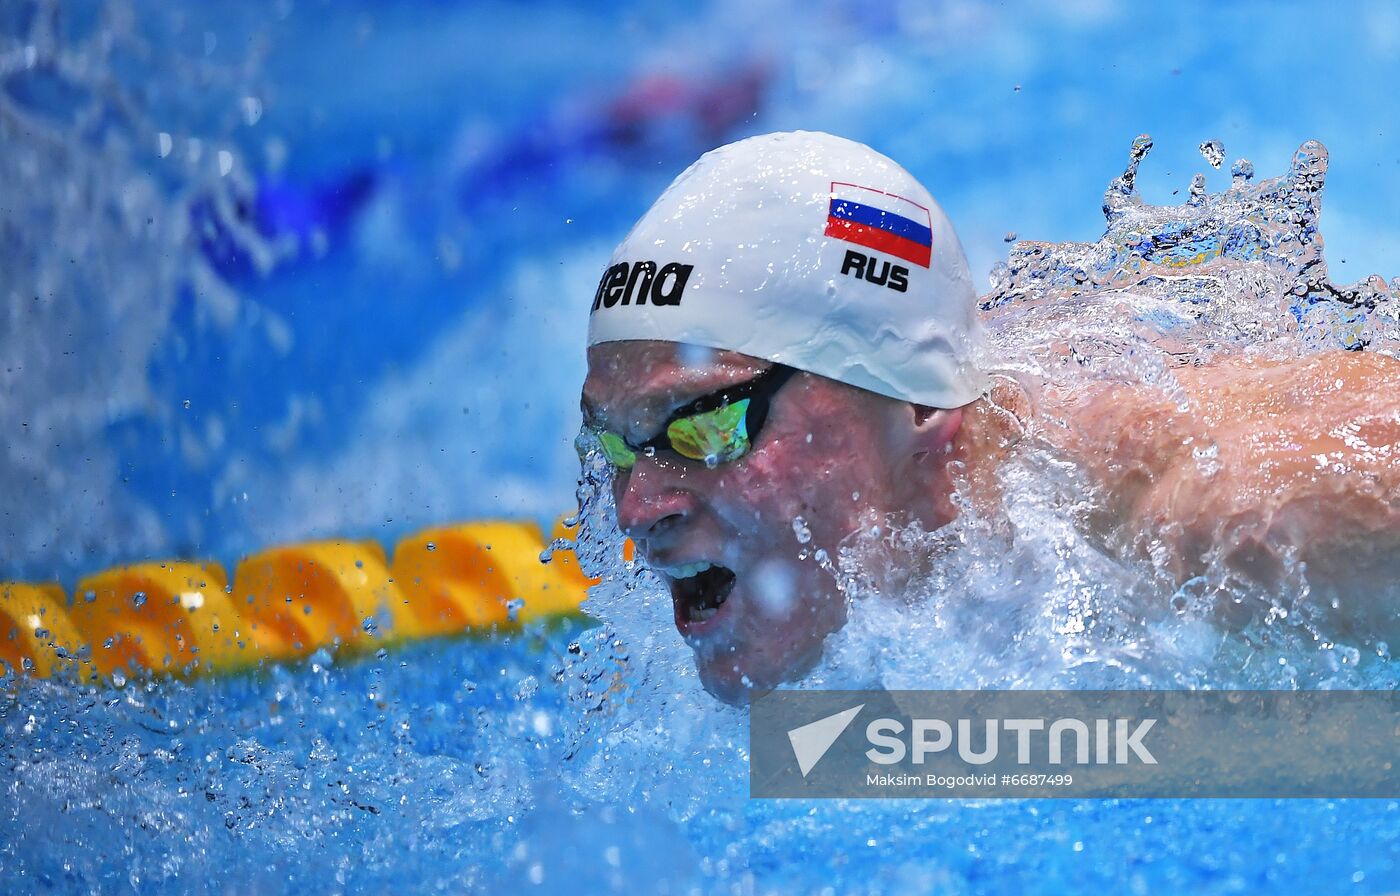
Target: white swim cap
x: 808, y: 250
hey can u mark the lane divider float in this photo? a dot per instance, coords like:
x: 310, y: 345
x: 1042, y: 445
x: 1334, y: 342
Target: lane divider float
x: 304, y: 596
x: 171, y: 616
x: 36, y: 636
x: 182, y: 617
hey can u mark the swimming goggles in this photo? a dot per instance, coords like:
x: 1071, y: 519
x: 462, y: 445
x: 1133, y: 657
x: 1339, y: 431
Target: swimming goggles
x: 715, y: 428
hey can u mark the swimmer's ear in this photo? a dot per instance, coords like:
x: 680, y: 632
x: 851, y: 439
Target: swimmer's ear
x: 934, y: 429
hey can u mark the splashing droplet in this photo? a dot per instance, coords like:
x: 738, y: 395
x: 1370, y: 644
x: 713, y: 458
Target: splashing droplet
x: 1197, y: 196
x: 1214, y: 152
x: 1215, y: 266
x: 1310, y: 166
x: 1122, y: 192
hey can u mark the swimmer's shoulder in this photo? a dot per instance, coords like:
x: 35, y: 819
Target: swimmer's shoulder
x: 1296, y: 453
x: 1322, y: 428
x: 1328, y: 383
x: 1355, y: 370
x: 1362, y: 371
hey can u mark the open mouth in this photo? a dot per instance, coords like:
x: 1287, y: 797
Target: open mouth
x: 699, y: 590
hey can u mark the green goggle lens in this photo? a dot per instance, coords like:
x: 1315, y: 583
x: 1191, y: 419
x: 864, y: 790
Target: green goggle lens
x: 616, y: 451
x: 717, y: 436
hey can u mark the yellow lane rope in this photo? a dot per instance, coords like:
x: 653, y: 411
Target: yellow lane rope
x: 182, y: 617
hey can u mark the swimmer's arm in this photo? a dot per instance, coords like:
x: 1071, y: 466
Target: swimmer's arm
x: 1288, y: 463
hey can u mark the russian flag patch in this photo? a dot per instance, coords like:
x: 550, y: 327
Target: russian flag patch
x: 881, y: 221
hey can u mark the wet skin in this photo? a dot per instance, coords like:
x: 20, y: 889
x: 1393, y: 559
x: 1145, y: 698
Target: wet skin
x: 1265, y: 461
x: 1306, y: 465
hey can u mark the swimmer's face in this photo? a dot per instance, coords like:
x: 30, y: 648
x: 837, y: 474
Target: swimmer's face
x: 831, y: 455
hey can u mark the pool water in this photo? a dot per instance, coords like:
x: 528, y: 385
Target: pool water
x: 505, y: 766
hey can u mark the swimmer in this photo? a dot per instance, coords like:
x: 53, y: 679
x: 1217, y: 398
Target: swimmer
x: 786, y: 349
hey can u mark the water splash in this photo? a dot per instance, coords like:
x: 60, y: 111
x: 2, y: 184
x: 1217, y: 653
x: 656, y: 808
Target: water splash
x: 1223, y: 272
x: 1241, y: 273
x: 1213, y: 151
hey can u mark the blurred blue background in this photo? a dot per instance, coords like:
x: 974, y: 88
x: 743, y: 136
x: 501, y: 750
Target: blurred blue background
x: 302, y: 269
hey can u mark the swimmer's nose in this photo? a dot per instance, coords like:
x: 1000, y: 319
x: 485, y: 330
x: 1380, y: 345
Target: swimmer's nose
x: 652, y: 505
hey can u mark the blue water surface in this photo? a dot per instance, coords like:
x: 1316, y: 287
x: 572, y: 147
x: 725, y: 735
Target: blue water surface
x: 455, y: 767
